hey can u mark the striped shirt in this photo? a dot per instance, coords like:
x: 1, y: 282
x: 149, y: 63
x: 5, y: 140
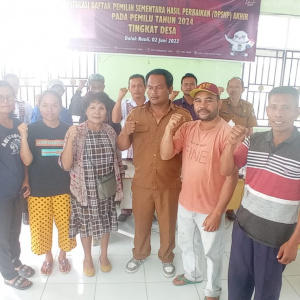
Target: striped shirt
x: 269, y: 209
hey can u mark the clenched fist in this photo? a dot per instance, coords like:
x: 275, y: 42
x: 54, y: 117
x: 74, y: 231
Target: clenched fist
x: 23, y: 130
x: 72, y: 132
x: 176, y: 121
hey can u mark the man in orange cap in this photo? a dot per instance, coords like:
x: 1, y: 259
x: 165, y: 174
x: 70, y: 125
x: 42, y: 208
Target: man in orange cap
x: 205, y: 192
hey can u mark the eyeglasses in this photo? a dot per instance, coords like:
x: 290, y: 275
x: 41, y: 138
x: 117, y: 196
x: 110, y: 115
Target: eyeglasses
x: 7, y: 97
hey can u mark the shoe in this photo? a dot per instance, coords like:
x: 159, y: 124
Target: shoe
x: 230, y: 215
x: 105, y: 268
x: 89, y: 272
x: 133, y: 265
x: 123, y: 218
x: 169, y: 269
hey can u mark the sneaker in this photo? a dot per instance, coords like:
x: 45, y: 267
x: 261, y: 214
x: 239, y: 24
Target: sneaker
x: 122, y: 217
x: 133, y: 265
x: 169, y: 269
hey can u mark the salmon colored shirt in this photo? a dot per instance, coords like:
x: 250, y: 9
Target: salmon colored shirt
x: 201, y: 153
x: 150, y: 170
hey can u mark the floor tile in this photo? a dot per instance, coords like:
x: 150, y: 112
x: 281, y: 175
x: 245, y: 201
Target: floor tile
x: 69, y: 291
x: 294, y: 281
x: 168, y: 291
x: 294, y: 267
x: 123, y: 291
x: 33, y: 293
x: 287, y: 291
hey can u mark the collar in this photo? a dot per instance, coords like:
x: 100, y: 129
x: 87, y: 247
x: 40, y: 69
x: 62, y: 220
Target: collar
x: 292, y: 138
x: 171, y: 105
x: 133, y: 103
x: 229, y: 102
x: 184, y: 101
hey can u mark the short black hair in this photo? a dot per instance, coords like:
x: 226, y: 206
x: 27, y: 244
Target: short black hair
x: 168, y: 76
x: 98, y: 97
x: 187, y: 75
x: 137, y: 76
x: 286, y: 90
x: 238, y: 78
x: 50, y: 92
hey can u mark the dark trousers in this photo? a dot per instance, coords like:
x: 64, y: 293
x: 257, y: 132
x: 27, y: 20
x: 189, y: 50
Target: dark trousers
x: 10, y: 227
x: 253, y: 265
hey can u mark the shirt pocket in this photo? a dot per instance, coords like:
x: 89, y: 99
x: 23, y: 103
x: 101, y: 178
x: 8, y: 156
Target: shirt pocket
x: 141, y: 135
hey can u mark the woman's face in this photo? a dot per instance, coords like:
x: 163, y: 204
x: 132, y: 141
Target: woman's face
x: 7, y: 100
x: 50, y: 108
x: 96, y: 112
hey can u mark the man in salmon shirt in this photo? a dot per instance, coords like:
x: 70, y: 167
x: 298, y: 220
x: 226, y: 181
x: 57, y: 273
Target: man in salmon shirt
x: 205, y: 192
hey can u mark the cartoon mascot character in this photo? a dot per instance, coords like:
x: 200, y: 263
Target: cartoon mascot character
x: 240, y: 43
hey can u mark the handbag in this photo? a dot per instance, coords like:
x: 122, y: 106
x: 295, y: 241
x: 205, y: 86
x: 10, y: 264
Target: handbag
x: 106, y: 185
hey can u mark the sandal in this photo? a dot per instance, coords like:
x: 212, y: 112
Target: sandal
x: 25, y: 271
x: 64, y: 266
x: 46, y: 268
x: 18, y: 283
x: 184, y: 281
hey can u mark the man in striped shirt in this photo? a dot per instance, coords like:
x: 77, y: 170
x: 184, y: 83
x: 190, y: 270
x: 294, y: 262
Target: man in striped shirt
x: 266, y: 235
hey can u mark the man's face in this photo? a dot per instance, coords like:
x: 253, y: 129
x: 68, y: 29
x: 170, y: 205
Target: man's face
x: 206, y: 106
x: 96, y: 86
x: 188, y: 84
x: 137, y: 88
x: 234, y: 88
x: 157, y: 90
x: 282, y: 112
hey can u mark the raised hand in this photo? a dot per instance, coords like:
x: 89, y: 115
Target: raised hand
x: 176, y: 121
x: 72, y: 132
x: 237, y: 134
x: 23, y: 130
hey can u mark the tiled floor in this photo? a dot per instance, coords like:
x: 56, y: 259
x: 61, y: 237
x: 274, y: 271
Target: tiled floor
x: 147, y: 284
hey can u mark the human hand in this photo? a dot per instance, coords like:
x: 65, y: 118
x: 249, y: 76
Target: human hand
x: 220, y: 89
x: 175, y: 121
x: 81, y: 84
x: 25, y: 189
x: 23, y: 130
x: 72, y: 132
x: 173, y: 95
x: 237, y: 134
x: 122, y: 93
x: 287, y: 252
x: 212, y: 222
x: 130, y: 127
